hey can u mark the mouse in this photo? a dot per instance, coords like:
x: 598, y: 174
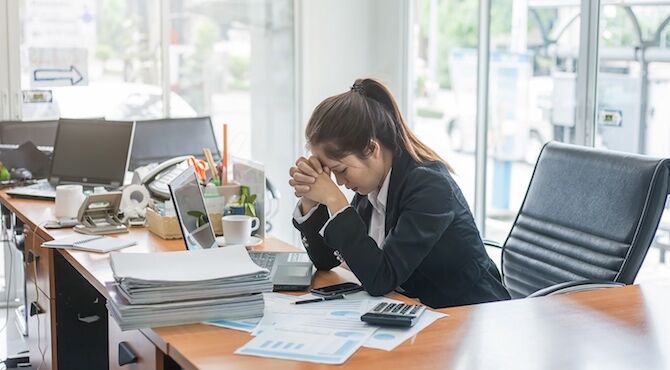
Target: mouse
x: 21, y: 174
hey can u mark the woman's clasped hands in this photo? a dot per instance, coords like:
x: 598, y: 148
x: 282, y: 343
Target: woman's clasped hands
x: 311, y: 181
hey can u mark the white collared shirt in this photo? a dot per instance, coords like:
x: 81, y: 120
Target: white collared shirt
x: 377, y: 230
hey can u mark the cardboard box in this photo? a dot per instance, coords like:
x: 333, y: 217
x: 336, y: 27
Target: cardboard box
x: 166, y: 227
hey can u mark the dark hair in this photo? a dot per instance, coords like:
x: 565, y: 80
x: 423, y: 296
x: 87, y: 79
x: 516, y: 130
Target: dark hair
x: 345, y: 124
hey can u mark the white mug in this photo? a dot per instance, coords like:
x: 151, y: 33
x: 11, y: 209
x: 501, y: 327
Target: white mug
x: 238, y: 228
x: 68, y: 200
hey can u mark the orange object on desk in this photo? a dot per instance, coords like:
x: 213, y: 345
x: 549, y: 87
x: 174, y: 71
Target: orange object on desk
x: 200, y: 167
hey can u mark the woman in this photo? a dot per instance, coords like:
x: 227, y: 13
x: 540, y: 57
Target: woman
x: 408, y: 227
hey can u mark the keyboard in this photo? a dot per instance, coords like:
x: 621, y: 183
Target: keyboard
x: 264, y: 259
x: 42, y: 189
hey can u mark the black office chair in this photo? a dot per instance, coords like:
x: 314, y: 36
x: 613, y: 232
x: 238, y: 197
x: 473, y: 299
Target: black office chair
x: 587, y: 221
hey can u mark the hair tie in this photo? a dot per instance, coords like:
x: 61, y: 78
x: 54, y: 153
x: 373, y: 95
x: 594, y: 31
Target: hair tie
x: 358, y: 87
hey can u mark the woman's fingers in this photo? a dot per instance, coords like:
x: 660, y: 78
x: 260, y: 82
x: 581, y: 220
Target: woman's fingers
x: 315, y: 163
x: 300, y: 177
x: 307, y: 169
x: 299, y: 188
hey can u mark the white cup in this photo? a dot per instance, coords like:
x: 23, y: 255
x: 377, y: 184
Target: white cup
x: 68, y: 200
x: 238, y: 228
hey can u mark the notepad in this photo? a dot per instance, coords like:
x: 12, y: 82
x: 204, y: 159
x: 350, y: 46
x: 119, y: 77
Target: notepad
x: 90, y: 243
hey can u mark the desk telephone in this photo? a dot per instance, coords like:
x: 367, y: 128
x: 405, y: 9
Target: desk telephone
x: 157, y: 177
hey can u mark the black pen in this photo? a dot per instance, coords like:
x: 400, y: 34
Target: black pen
x: 320, y: 299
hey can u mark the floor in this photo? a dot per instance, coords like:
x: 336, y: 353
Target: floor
x: 11, y: 340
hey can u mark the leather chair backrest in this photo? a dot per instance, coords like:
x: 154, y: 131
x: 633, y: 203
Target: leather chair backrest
x: 587, y: 214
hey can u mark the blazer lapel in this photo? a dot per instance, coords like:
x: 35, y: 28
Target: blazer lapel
x: 364, y: 209
x: 401, y: 166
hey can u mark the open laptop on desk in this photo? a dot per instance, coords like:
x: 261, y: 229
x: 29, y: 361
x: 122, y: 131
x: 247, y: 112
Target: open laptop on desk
x: 288, y: 270
x: 88, y: 152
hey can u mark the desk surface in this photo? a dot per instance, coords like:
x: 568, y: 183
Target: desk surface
x: 614, y: 328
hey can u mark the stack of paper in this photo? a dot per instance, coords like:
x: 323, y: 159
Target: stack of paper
x: 159, y: 289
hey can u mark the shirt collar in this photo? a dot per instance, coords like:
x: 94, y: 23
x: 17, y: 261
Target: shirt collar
x: 378, y: 197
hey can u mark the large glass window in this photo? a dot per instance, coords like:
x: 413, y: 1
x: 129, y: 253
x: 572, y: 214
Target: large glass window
x: 632, y: 112
x: 86, y: 58
x: 533, y: 68
x: 233, y: 61
x: 445, y: 84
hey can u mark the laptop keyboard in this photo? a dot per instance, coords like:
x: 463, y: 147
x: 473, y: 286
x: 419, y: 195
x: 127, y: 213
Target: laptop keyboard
x: 42, y: 185
x: 264, y: 259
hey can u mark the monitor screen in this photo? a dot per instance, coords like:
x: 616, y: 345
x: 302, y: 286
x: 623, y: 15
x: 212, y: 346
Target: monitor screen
x: 40, y: 133
x: 91, y: 152
x: 162, y: 139
x: 191, y: 212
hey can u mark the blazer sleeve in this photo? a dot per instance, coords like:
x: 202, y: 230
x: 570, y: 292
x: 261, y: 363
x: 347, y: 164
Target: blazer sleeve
x: 424, y: 215
x: 321, y: 255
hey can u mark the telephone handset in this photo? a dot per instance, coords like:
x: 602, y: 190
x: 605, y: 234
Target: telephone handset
x: 157, y: 177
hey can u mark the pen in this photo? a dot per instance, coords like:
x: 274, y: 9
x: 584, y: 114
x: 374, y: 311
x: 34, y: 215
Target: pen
x: 321, y: 299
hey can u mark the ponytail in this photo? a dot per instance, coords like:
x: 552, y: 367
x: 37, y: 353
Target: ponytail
x: 346, y: 123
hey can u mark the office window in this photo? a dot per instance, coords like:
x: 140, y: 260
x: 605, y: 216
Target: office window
x: 633, y: 89
x: 445, y: 83
x: 533, y: 67
x: 85, y: 58
x: 234, y: 61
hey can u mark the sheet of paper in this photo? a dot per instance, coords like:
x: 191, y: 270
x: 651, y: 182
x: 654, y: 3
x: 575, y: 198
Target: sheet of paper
x: 300, y: 343
x: 185, y: 266
x: 389, y: 338
x: 243, y: 325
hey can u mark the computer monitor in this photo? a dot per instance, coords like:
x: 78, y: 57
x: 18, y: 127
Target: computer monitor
x: 191, y: 212
x: 91, y: 152
x: 40, y: 133
x: 162, y: 139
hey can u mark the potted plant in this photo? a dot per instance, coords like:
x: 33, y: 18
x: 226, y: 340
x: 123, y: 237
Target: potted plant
x: 246, y: 204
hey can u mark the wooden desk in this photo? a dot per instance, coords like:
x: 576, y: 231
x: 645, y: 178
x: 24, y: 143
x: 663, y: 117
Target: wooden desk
x: 614, y: 328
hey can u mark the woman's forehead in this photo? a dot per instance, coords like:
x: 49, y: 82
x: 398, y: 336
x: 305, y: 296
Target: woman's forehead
x: 349, y: 160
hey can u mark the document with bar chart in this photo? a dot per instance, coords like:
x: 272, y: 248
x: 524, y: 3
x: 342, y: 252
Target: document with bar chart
x: 320, y: 345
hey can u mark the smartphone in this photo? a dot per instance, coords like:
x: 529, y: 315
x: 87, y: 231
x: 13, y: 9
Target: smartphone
x: 326, y: 291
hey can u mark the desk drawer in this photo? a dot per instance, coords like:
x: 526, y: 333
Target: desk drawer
x: 41, y: 315
x: 39, y: 263
x: 138, y: 352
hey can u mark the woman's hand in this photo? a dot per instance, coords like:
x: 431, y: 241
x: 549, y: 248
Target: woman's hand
x: 313, y: 183
x: 303, y: 174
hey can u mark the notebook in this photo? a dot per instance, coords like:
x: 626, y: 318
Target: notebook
x: 90, y: 243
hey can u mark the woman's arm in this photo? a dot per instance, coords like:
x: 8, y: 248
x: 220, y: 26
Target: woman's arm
x: 321, y: 255
x: 424, y: 216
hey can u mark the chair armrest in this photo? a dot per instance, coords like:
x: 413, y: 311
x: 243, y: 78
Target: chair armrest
x: 492, y: 243
x: 575, y: 286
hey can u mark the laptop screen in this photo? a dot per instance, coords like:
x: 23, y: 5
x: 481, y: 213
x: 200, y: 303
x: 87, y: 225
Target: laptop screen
x: 191, y: 212
x: 91, y: 152
x: 40, y: 133
x: 162, y: 139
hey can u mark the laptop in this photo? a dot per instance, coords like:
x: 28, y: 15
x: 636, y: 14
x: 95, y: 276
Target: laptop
x: 88, y: 152
x: 288, y: 270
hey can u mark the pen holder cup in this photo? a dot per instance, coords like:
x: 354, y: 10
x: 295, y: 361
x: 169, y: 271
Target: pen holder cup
x: 229, y: 190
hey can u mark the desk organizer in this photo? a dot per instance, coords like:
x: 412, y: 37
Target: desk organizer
x: 166, y: 227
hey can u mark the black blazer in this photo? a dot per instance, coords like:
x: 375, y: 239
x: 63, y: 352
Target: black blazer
x: 432, y: 249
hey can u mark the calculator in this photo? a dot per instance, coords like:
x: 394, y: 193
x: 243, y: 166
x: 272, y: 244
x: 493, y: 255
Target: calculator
x: 394, y: 314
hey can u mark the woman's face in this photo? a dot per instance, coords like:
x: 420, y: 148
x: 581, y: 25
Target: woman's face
x: 360, y: 175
